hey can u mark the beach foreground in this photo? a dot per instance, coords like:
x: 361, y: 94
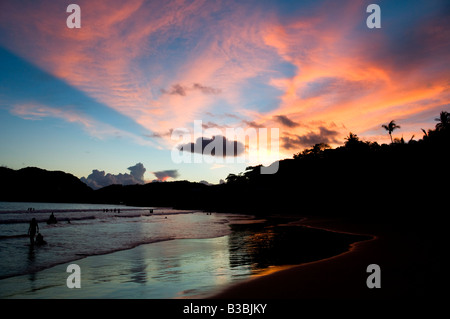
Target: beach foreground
x: 239, y: 257
x: 168, y: 254
x: 409, y: 268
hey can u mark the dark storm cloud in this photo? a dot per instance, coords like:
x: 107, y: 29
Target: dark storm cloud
x: 283, y: 119
x: 164, y: 175
x: 215, y: 146
x: 324, y: 135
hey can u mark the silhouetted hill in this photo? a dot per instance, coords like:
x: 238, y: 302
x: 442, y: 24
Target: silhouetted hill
x: 360, y: 180
x: 33, y: 184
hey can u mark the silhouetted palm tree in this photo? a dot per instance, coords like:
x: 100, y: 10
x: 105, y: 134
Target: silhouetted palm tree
x: 352, y: 141
x: 444, y: 121
x: 390, y: 128
x: 352, y: 137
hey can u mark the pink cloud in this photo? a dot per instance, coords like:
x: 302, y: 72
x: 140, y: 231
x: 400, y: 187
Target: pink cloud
x: 116, y: 58
x: 104, y: 57
x: 353, y: 87
x: 100, y: 130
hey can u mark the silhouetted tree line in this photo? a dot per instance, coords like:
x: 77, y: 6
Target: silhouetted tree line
x: 359, y: 179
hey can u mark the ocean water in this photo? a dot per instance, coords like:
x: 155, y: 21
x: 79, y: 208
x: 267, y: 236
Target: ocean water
x: 137, y: 254
x: 109, y: 233
x: 85, y: 230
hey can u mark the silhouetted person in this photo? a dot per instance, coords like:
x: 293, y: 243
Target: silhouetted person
x: 40, y: 240
x: 34, y: 227
x: 52, y: 219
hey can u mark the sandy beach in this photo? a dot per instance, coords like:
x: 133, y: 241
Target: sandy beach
x: 408, y: 269
x: 269, y: 258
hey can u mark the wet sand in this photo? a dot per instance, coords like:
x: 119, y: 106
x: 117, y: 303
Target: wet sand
x: 408, y: 269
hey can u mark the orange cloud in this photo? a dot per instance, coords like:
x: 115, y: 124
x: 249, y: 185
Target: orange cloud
x: 339, y: 80
x: 345, y: 78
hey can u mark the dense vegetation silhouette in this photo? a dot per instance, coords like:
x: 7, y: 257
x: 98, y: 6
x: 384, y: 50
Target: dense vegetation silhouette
x: 361, y: 179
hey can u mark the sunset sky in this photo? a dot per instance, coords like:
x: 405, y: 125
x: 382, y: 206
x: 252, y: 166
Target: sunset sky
x: 111, y: 94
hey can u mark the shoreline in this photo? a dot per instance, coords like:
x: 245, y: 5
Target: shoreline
x: 141, y: 258
x: 74, y: 258
x: 403, y: 256
x: 343, y: 276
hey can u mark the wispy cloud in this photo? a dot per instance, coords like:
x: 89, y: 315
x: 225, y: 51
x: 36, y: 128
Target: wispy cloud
x: 122, y: 56
x: 349, y: 75
x: 164, y: 64
x: 181, y: 90
x: 93, y: 127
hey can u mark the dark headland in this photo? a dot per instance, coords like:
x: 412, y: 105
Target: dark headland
x: 397, y: 192
x: 360, y: 179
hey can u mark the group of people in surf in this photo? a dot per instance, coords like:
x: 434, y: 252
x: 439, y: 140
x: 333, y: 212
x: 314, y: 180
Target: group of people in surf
x: 105, y: 210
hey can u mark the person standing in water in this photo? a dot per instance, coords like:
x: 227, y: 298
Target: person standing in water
x: 34, y: 227
x: 52, y: 219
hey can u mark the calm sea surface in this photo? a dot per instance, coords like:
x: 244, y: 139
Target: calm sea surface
x: 129, y: 252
